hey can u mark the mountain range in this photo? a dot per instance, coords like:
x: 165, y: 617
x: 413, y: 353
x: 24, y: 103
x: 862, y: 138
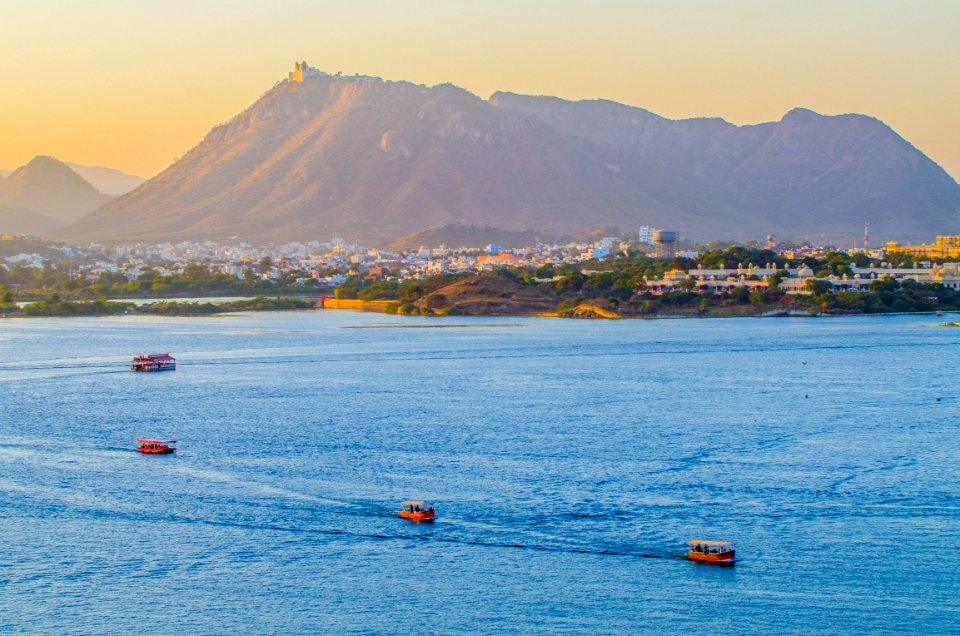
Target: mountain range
x: 375, y: 160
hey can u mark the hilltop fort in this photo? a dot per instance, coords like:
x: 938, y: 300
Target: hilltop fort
x: 302, y: 70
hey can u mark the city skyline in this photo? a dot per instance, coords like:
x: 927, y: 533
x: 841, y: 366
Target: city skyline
x: 90, y: 84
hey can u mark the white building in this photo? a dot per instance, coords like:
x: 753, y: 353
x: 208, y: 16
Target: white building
x: 645, y: 236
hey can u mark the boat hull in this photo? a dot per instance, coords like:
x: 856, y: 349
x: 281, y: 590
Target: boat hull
x: 424, y: 516
x: 154, y: 362
x: 725, y: 559
x: 156, y: 451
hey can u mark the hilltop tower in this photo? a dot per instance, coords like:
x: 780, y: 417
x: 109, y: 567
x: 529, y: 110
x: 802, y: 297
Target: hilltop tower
x: 302, y: 70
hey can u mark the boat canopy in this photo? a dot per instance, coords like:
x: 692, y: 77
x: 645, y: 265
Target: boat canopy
x: 156, y: 441
x: 413, y: 503
x: 716, y: 543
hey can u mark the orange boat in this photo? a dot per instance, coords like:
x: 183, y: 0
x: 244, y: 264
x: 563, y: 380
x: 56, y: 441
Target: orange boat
x: 711, y: 551
x: 156, y: 446
x: 417, y: 511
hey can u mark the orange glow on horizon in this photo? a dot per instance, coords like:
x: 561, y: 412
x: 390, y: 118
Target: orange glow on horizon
x: 132, y: 87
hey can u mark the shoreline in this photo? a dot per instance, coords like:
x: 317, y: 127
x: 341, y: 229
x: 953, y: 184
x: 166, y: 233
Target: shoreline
x: 55, y: 307
x: 379, y: 306
x: 155, y: 298
x: 198, y: 306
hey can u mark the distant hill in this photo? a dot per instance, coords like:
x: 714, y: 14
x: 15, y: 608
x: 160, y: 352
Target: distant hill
x: 807, y: 174
x: 373, y: 161
x: 22, y: 221
x: 107, y: 180
x: 30, y: 246
x: 49, y: 188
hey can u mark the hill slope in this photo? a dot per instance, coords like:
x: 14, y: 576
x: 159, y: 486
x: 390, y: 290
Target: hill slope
x: 49, y: 187
x: 107, y: 180
x: 21, y: 221
x: 807, y: 174
x: 374, y: 161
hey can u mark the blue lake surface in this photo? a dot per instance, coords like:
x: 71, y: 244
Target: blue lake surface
x: 569, y: 461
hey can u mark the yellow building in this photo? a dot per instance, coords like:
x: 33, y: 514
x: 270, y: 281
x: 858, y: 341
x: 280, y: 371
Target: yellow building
x: 944, y: 247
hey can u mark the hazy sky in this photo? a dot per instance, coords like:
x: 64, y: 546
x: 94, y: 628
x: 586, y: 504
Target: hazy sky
x: 133, y: 84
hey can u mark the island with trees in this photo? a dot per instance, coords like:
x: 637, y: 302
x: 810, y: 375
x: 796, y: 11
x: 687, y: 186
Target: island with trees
x: 614, y: 288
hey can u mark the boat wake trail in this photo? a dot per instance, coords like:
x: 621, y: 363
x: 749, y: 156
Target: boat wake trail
x: 425, y: 535
x: 449, y: 532
x: 111, y: 366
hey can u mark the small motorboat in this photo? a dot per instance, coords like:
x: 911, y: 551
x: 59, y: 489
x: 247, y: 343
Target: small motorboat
x: 417, y: 511
x: 156, y: 446
x: 711, y: 551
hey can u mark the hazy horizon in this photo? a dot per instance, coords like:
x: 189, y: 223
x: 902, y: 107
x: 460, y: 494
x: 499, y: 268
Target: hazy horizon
x: 92, y: 85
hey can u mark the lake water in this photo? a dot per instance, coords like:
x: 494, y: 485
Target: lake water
x: 569, y: 461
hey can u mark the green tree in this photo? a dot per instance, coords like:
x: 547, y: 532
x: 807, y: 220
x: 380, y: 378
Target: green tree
x: 862, y: 260
x: 818, y: 287
x: 758, y: 297
x: 546, y: 271
x: 773, y: 283
x: 196, y: 271
x: 838, y: 263
x: 741, y: 295
x: 887, y: 283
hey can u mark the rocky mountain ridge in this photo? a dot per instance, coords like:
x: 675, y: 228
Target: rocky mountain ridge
x: 375, y: 160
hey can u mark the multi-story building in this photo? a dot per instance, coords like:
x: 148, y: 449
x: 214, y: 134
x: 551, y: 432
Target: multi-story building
x: 943, y: 247
x: 645, y: 235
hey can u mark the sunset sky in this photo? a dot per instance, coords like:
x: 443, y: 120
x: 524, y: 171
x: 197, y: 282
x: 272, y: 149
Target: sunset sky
x: 133, y: 84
